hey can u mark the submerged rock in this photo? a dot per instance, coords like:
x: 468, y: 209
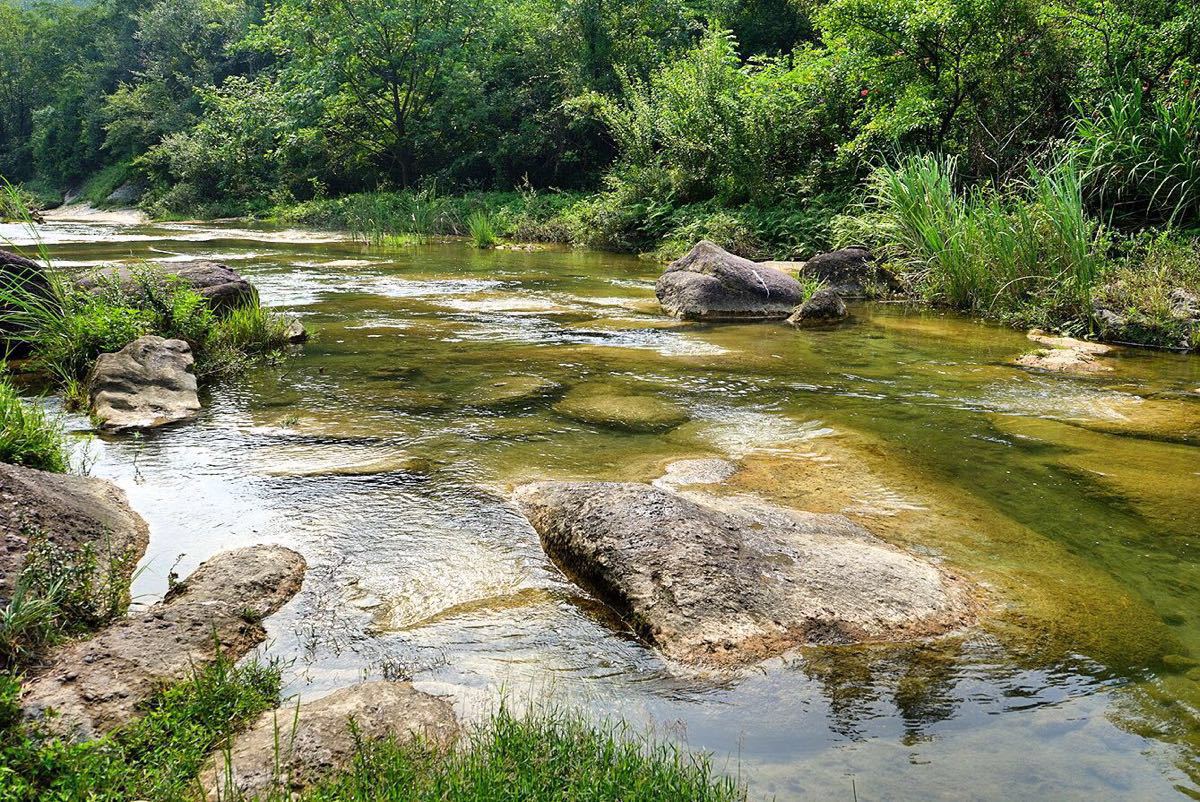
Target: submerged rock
x: 512, y: 390
x: 732, y: 581
x: 618, y: 410
x: 1065, y: 355
x: 709, y: 283
x: 851, y: 273
x: 20, y: 278
x: 222, y: 286
x: 295, y: 333
x: 102, y: 683
x: 144, y: 385
x: 74, y: 514
x: 291, y: 748
x: 824, y: 308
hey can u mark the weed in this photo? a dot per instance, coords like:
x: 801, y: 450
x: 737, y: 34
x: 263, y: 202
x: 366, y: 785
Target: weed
x: 28, y: 436
x: 482, y: 229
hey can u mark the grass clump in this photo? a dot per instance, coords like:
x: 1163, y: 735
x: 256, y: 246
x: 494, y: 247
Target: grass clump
x: 1028, y: 252
x: 481, y: 227
x: 156, y: 757
x: 28, y: 436
x: 533, y: 758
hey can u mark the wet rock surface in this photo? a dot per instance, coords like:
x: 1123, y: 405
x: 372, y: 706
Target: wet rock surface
x: 617, y: 409
x: 709, y: 283
x: 74, y: 513
x: 512, y: 391
x: 146, y: 384
x: 315, y: 739
x: 824, y: 308
x: 851, y: 273
x: 102, y: 683
x: 728, y: 581
x: 222, y: 286
x: 1065, y: 355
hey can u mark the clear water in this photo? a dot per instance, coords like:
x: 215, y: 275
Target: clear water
x: 1071, y: 502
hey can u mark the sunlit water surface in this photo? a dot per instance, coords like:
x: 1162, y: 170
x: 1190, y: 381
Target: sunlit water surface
x: 1072, y: 502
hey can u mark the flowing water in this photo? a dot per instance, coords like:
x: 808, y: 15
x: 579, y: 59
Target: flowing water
x: 1072, y: 502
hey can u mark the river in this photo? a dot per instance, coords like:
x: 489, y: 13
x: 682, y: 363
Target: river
x: 1071, y: 501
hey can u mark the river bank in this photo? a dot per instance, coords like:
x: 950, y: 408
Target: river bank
x: 369, y: 457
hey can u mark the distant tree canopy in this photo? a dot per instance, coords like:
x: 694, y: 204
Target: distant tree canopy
x: 688, y: 100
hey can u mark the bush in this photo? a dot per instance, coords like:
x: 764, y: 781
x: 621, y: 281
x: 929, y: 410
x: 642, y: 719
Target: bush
x: 27, y: 436
x: 482, y: 229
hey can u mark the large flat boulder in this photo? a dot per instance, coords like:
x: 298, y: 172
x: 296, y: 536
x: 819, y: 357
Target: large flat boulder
x: 294, y: 747
x: 75, y: 514
x: 720, y: 581
x: 146, y: 384
x: 1065, y: 355
x: 709, y: 283
x: 102, y: 683
x: 222, y: 286
x: 615, y: 408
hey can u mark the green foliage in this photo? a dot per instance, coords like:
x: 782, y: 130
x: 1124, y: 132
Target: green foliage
x: 553, y: 756
x: 1141, y: 155
x: 1029, y: 251
x: 28, y: 436
x: 155, y: 757
x: 482, y: 229
x: 1153, y: 290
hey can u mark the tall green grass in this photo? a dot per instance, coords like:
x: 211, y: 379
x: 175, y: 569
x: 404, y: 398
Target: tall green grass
x: 481, y: 227
x: 1028, y: 250
x: 28, y: 436
x: 546, y: 757
x: 1140, y: 156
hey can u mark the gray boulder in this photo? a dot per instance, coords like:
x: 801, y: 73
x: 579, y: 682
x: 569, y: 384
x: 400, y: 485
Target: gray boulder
x: 296, y: 746
x: 824, y: 308
x: 74, y: 514
x: 25, y: 279
x: 146, y: 384
x: 851, y: 273
x: 727, y: 581
x: 223, y: 288
x: 95, y: 685
x: 709, y: 283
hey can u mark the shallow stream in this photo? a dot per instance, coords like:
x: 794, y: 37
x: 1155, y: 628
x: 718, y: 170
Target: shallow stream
x: 377, y: 454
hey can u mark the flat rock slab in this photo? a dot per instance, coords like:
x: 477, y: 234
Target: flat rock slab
x: 220, y: 285
x: 146, y: 384
x: 616, y: 409
x: 512, y: 391
x: 75, y: 513
x: 291, y: 748
x: 709, y: 283
x: 102, y: 683
x: 729, y: 581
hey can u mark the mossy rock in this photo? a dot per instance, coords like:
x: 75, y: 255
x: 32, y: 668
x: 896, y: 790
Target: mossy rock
x: 512, y: 390
x: 612, y: 408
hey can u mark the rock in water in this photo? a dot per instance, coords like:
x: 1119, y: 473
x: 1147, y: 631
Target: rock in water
x: 614, y: 409
x: 851, y: 273
x: 291, y: 748
x: 295, y: 334
x: 709, y: 283
x: 1065, y: 355
x: 221, y: 285
x: 718, y: 581
x: 102, y: 683
x: 144, y: 385
x: 73, y: 513
x: 23, y: 279
x: 512, y: 391
x: 824, y: 308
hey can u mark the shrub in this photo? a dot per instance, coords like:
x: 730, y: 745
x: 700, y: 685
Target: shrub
x: 27, y: 436
x: 1153, y: 293
x: 482, y: 229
